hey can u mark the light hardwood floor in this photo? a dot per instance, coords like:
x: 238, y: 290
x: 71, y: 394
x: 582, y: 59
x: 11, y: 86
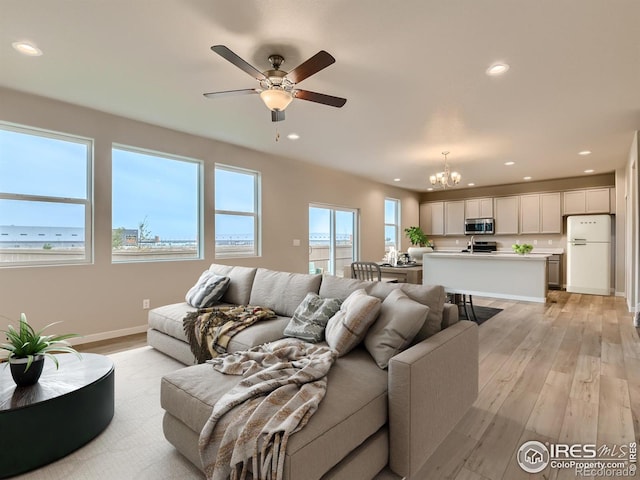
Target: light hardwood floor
x: 566, y: 371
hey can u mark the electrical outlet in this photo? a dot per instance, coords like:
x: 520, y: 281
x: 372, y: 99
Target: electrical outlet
x: 535, y: 242
x: 457, y: 241
x: 296, y: 242
x: 145, y: 304
x: 550, y: 242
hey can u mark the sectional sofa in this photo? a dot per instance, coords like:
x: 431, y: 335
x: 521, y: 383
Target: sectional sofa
x: 370, y: 417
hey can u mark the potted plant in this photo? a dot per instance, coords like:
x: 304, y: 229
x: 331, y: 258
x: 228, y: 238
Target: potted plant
x: 522, y: 249
x: 419, y: 241
x: 28, y: 348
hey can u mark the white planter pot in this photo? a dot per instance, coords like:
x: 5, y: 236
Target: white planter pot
x: 416, y: 252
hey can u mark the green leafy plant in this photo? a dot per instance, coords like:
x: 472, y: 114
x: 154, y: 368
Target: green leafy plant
x: 522, y: 248
x: 27, y: 343
x: 416, y: 236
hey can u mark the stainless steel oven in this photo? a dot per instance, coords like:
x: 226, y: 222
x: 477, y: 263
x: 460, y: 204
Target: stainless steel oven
x: 479, y: 226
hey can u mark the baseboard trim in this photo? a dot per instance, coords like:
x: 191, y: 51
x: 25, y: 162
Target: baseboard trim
x: 98, y: 337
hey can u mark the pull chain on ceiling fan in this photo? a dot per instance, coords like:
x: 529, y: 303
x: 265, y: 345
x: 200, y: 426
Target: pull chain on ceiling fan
x: 278, y: 88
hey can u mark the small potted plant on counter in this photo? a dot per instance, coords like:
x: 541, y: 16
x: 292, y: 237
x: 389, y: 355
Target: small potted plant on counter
x: 420, y: 244
x: 28, y: 348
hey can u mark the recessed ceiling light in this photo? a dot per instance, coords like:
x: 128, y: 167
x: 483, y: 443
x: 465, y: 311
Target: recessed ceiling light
x: 471, y: 184
x: 497, y: 69
x: 509, y: 163
x: 396, y: 179
x: 27, y: 48
x: 429, y: 189
x: 591, y: 170
x: 293, y: 136
x: 527, y: 178
x: 585, y: 152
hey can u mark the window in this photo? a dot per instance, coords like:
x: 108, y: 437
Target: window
x: 155, y: 212
x: 332, y: 239
x: 45, y: 197
x: 237, y: 197
x: 391, y: 224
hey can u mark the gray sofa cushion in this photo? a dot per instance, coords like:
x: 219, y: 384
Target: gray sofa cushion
x: 336, y: 287
x: 353, y: 409
x: 168, y: 319
x: 311, y: 317
x: 239, y: 290
x: 282, y: 292
x: 399, y: 321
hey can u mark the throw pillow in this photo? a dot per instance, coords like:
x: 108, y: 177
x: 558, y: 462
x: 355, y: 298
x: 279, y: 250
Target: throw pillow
x: 311, y: 317
x: 400, y: 320
x: 208, y: 290
x: 348, y: 327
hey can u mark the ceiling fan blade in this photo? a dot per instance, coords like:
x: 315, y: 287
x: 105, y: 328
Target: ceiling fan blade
x: 313, y: 65
x: 227, y: 54
x: 228, y: 93
x: 320, y: 98
x: 277, y: 115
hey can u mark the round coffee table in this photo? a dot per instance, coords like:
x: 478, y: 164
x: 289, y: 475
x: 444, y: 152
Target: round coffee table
x: 62, y: 412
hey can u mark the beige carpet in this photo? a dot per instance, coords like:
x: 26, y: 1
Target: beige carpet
x: 133, y: 445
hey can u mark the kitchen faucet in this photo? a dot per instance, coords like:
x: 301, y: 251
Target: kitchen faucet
x: 471, y: 244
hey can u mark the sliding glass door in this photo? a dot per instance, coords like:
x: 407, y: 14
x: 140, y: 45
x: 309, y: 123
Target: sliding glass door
x: 332, y: 238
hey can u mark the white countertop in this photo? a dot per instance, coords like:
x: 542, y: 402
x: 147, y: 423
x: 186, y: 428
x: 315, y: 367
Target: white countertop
x: 493, y: 255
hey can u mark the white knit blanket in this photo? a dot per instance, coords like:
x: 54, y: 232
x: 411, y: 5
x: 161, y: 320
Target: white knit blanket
x: 247, y: 433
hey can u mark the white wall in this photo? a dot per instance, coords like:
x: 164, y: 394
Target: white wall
x: 104, y: 299
x: 632, y: 250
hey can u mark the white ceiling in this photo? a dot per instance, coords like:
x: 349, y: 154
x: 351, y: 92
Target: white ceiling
x: 413, y: 73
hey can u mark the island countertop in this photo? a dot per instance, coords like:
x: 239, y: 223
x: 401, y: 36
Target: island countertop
x: 489, y: 274
x: 493, y: 255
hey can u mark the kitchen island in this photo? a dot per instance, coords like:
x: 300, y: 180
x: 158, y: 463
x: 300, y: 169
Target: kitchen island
x: 500, y: 275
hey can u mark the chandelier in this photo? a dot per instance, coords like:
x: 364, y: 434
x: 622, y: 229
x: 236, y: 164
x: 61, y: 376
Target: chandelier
x: 446, y: 178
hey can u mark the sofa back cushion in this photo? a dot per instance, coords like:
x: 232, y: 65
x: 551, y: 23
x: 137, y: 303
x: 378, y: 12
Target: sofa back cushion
x: 282, y: 292
x: 341, y: 288
x: 399, y: 321
x: 241, y: 281
x: 433, y: 296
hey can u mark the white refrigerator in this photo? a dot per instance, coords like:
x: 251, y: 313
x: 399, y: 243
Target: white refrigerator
x: 589, y: 254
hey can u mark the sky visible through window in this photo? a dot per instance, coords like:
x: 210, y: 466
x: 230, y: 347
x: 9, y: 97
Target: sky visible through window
x: 23, y: 171
x: 161, y: 192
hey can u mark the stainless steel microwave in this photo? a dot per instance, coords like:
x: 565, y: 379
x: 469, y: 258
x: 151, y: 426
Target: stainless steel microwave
x: 479, y: 226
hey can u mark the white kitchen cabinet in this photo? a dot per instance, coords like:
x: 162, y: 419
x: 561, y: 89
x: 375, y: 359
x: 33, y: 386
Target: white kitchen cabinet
x: 432, y: 218
x: 530, y: 213
x: 594, y: 200
x: 507, y: 213
x: 550, y: 213
x: 540, y: 213
x: 454, y: 218
x: 478, y: 208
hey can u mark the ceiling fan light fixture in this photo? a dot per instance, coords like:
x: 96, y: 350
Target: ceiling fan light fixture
x: 276, y: 99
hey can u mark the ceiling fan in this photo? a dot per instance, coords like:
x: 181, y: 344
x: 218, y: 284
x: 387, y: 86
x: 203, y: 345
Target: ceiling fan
x: 278, y: 88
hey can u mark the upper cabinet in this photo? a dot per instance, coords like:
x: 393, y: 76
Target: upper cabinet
x: 540, y: 213
x: 432, y: 218
x: 507, y: 214
x: 595, y: 200
x: 478, y: 208
x: 454, y: 218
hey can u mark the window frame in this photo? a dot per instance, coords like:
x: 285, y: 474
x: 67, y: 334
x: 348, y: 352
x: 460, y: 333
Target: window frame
x: 256, y: 214
x: 397, y: 225
x: 86, y: 202
x: 200, y: 202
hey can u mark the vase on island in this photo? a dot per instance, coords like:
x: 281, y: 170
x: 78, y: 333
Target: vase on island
x: 416, y: 252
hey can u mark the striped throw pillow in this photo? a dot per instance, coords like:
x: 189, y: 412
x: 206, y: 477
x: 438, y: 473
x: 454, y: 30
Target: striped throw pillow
x: 208, y: 290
